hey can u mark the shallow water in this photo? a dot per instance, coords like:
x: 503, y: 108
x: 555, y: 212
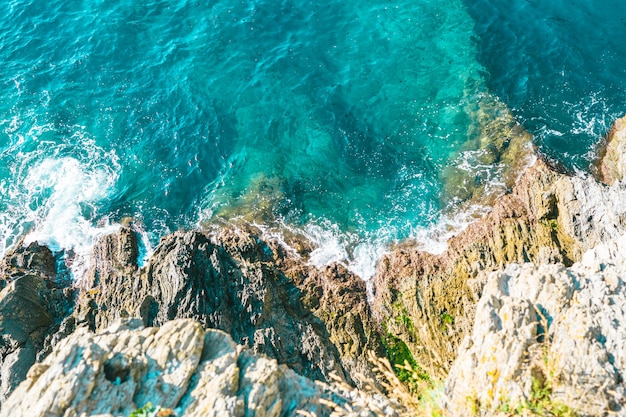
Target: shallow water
x: 356, y: 124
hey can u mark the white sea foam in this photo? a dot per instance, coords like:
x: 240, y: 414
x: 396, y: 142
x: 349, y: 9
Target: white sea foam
x: 434, y: 239
x: 359, y: 254
x: 54, y: 198
x: 64, y: 193
x: 365, y: 257
x: 330, y: 241
x: 145, y: 246
x: 70, y: 186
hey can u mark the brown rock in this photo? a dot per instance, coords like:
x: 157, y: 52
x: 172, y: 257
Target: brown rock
x: 110, y: 288
x: 428, y: 300
x: 267, y: 298
x: 611, y: 167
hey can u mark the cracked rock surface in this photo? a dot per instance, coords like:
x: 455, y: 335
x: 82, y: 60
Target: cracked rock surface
x: 179, y: 366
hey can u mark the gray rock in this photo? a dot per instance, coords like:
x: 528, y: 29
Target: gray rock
x: 315, y: 321
x: 178, y: 366
x: 31, y: 311
x: 23, y: 323
x: 27, y: 259
x: 562, y: 328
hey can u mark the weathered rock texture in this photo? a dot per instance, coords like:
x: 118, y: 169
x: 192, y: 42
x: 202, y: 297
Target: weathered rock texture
x: 548, y: 218
x: 612, y: 165
x: 510, y: 354
x: 32, y: 310
x: 561, y: 329
x: 178, y: 366
x: 315, y: 321
x: 25, y: 259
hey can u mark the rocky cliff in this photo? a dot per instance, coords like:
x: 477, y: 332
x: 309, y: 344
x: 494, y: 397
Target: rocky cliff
x: 549, y: 218
x: 536, y: 283
x: 315, y: 321
x: 265, y: 297
x: 521, y: 314
x: 33, y: 305
x: 547, y: 339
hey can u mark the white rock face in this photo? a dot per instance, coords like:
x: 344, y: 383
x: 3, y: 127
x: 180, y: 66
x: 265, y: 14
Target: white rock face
x: 580, y: 357
x: 178, y: 366
x: 554, y: 333
x: 597, y: 213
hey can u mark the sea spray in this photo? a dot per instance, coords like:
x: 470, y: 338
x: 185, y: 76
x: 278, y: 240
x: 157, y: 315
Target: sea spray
x: 57, y: 190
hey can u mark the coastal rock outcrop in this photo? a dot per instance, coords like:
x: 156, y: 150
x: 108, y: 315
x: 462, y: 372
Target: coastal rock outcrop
x: 547, y: 337
x: 540, y: 335
x: 612, y: 166
x: 180, y: 367
x: 32, y: 310
x: 315, y: 321
x: 548, y: 218
x: 434, y: 291
x: 24, y: 321
x: 27, y: 259
x: 523, y: 311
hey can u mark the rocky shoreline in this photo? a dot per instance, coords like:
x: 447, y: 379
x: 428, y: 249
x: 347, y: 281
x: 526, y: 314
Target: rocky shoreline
x: 524, y: 312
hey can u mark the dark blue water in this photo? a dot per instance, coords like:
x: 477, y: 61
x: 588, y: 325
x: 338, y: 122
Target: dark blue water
x: 355, y: 123
x: 559, y: 65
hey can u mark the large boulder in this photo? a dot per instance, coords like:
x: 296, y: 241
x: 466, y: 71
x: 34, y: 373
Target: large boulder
x: 112, y: 286
x: 547, y: 337
x: 426, y: 300
x: 32, y: 258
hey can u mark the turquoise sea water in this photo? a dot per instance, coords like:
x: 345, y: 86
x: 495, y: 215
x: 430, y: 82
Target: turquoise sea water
x: 356, y: 123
